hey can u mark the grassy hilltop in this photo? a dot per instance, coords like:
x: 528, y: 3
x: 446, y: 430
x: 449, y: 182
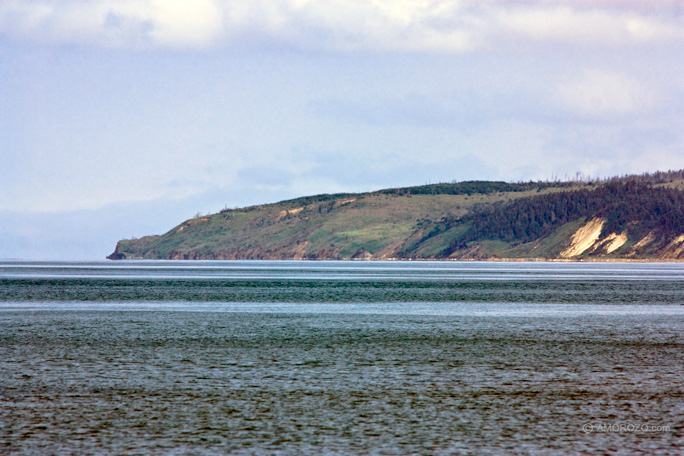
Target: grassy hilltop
x: 635, y: 217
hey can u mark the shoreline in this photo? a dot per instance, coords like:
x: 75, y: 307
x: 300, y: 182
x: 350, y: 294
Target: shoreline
x: 407, y: 260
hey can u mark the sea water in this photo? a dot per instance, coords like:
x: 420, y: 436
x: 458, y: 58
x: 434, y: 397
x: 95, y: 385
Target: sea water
x: 239, y: 357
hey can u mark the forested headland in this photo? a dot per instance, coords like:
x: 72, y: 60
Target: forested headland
x: 638, y: 217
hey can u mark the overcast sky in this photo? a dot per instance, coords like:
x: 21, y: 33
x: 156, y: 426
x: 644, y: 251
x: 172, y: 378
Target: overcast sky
x: 122, y: 118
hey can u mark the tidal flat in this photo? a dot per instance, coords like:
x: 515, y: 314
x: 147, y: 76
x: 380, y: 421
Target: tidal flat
x: 250, y: 383
x: 495, y: 377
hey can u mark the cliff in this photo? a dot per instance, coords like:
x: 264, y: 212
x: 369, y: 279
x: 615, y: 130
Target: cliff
x: 634, y: 217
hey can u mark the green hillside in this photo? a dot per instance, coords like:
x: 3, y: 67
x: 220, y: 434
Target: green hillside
x: 639, y: 217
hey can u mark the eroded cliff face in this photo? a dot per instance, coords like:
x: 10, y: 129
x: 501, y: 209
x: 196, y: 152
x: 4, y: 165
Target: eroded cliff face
x: 584, y: 238
x: 590, y: 240
x: 674, y: 249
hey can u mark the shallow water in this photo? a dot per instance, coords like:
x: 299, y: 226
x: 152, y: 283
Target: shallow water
x: 341, y: 358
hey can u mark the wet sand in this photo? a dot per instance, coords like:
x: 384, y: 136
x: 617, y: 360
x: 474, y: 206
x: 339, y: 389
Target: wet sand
x: 111, y: 382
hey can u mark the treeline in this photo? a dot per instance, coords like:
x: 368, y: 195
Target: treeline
x: 301, y: 201
x: 658, y: 177
x: 626, y: 205
x: 487, y: 187
x: 454, y: 188
x: 473, y: 187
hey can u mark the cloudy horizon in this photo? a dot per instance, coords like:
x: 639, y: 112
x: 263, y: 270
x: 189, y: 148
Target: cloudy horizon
x: 123, y: 118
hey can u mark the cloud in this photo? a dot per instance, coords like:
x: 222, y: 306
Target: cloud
x: 596, y: 94
x: 113, y: 23
x: 435, y: 26
x: 585, y: 24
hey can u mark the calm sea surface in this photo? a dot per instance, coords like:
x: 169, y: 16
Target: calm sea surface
x: 290, y: 358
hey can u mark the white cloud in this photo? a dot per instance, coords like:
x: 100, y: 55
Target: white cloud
x: 406, y: 25
x: 591, y: 25
x: 113, y: 23
x: 179, y: 22
x: 597, y: 94
x: 441, y: 26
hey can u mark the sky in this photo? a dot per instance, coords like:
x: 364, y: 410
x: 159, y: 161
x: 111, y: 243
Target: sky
x: 123, y: 118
